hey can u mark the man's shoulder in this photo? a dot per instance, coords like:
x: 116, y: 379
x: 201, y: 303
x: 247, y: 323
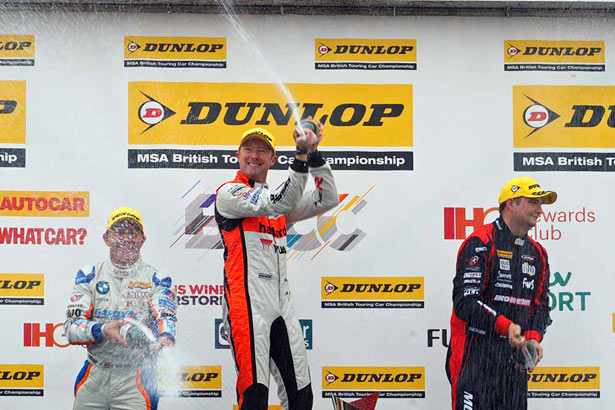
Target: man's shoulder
x: 484, y: 234
x: 87, y: 273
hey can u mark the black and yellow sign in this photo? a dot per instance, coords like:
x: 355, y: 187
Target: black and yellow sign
x: 21, y: 379
x: 16, y: 50
x: 373, y: 292
x: 365, y: 54
x: 22, y: 288
x: 216, y: 114
x: 175, y: 52
x: 560, y: 382
x: 541, y: 55
x: 191, y: 381
x: 391, y: 382
x: 12, y: 112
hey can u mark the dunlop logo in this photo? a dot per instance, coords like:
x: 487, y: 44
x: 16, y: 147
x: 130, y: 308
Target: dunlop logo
x: 13, y: 112
x: 557, y: 382
x: 391, y: 382
x: 366, y: 54
x: 373, y: 292
x: 191, y: 381
x: 538, y: 55
x: 45, y: 203
x: 21, y: 379
x: 217, y: 113
x: 175, y: 52
x: 16, y: 50
x: 22, y: 289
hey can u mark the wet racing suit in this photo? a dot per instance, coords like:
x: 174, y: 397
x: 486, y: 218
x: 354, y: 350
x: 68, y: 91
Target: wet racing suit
x: 115, y: 376
x: 258, y: 312
x: 501, y: 279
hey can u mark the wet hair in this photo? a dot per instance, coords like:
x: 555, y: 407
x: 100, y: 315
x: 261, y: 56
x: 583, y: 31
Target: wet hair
x: 503, y: 204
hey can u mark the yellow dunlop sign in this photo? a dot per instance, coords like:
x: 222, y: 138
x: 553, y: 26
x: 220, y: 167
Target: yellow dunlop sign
x: 183, y: 52
x: 21, y: 376
x: 22, y: 284
x: 217, y: 113
x: 540, y: 51
x: 560, y: 382
x: 373, y: 292
x: 191, y: 381
x: 16, y: 49
x: 358, y: 53
x: 45, y: 203
x: 564, y: 116
x: 389, y: 381
x: 13, y: 112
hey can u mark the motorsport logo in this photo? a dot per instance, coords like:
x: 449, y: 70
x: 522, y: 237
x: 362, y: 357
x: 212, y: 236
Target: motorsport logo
x: 370, y: 124
x: 541, y: 55
x: 391, y: 382
x: 191, y: 381
x: 336, y: 229
x: 22, y: 289
x: 459, y: 222
x: 365, y: 54
x: 373, y: 292
x: 16, y: 50
x: 175, y: 52
x: 563, y: 117
x: 53, y: 333
x: 199, y: 294
x: 22, y: 379
x: 12, y: 123
x: 564, y: 382
x: 221, y: 340
x: 565, y: 300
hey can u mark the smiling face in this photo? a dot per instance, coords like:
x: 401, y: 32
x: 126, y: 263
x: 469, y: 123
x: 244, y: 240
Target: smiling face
x: 255, y: 159
x: 124, y: 239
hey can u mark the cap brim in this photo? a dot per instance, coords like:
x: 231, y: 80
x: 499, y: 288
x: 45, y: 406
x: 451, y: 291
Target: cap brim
x: 548, y: 197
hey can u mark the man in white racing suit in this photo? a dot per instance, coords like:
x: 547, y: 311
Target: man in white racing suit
x: 259, y: 315
x: 106, y: 301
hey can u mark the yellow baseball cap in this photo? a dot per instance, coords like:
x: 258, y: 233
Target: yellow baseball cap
x: 261, y: 134
x: 526, y: 187
x: 124, y: 213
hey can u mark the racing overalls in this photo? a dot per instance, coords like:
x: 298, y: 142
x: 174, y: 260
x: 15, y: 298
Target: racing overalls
x: 264, y: 334
x: 500, y: 279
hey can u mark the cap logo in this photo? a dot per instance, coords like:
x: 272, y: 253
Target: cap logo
x: 514, y: 188
x: 533, y: 186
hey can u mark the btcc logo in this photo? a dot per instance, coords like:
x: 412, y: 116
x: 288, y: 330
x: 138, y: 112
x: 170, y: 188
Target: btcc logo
x: 537, y: 116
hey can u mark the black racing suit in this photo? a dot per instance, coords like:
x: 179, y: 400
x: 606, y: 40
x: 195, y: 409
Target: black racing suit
x: 500, y: 279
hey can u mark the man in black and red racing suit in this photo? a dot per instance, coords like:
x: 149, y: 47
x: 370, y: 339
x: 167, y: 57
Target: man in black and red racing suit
x: 500, y: 302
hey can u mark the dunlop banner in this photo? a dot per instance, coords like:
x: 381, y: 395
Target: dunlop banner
x: 373, y: 292
x: 22, y: 289
x: 191, y: 381
x: 372, y: 117
x: 541, y: 55
x: 564, y: 117
x: 21, y: 379
x: 175, y: 52
x: 365, y: 54
x: 45, y: 203
x: 12, y: 113
x: 16, y: 49
x: 391, y: 382
x: 564, y: 382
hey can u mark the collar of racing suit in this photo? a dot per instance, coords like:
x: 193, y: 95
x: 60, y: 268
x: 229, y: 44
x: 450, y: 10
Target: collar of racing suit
x: 242, y: 178
x: 124, y: 271
x: 507, y: 233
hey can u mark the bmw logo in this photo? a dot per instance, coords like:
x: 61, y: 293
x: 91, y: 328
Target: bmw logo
x: 102, y: 287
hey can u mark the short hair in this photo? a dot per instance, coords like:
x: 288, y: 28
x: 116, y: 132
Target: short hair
x: 503, y: 204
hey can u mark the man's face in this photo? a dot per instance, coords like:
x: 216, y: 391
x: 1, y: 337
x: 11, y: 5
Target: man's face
x: 255, y: 159
x: 526, y: 211
x: 124, y: 239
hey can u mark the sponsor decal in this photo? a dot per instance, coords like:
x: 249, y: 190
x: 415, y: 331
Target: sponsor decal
x: 191, y: 381
x: 102, y: 287
x: 564, y: 382
x: 473, y: 275
x: 199, y: 294
x: 373, y: 292
x: 22, y: 289
x: 175, y: 52
x: 12, y: 123
x: 141, y: 285
x: 549, y: 225
x: 437, y: 334
x: 565, y: 300
x: 365, y: 54
x: 504, y: 264
x: 512, y: 300
x: 17, y: 50
x: 221, y: 339
x: 564, y: 117
x: 22, y: 379
x: 543, y: 55
x: 34, y: 332
x: 504, y: 254
x: 391, y: 382
x: 213, y: 114
x: 45, y: 203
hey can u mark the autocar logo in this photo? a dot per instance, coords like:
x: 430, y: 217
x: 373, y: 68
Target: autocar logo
x: 153, y: 112
x: 537, y: 116
x: 512, y: 51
